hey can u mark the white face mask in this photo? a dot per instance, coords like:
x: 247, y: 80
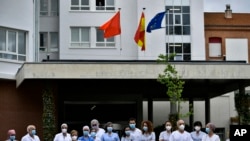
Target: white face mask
x: 74, y: 138
x: 168, y: 127
x: 197, y: 128
x: 182, y: 127
x: 64, y: 130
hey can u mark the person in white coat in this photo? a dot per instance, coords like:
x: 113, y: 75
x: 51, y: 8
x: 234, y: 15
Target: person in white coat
x: 64, y: 135
x: 31, y: 135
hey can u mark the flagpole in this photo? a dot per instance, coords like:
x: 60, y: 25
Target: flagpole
x: 143, y: 9
x: 120, y: 38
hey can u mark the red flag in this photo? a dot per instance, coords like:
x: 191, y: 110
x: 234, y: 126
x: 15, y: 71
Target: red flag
x: 112, y: 27
x: 140, y: 33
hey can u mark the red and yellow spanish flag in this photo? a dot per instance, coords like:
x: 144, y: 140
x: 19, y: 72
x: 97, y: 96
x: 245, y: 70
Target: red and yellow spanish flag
x: 140, y: 33
x: 112, y: 27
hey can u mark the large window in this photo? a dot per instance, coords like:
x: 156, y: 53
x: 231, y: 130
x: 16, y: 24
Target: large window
x: 48, y: 7
x: 182, y: 51
x: 178, y: 20
x: 80, y: 5
x: 80, y: 37
x: 105, y: 5
x: 49, y: 42
x: 12, y: 44
x: 104, y: 42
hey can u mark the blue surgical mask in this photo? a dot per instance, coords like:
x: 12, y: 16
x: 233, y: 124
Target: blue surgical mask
x: 109, y: 129
x: 12, y: 137
x: 132, y: 126
x: 145, y: 128
x: 127, y: 133
x: 85, y: 133
x: 207, y: 130
x: 33, y: 132
x: 93, y: 134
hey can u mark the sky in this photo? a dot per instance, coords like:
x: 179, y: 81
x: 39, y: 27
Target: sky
x: 237, y: 6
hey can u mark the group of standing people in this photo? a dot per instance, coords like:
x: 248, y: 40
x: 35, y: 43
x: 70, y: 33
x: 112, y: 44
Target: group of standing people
x: 129, y: 133
x: 144, y: 133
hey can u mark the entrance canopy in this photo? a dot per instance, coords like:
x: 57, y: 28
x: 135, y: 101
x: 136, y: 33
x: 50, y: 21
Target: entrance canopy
x: 202, y: 79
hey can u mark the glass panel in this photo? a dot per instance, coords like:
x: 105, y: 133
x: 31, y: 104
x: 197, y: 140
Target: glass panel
x: 178, y: 30
x: 21, y: 43
x: 99, y: 35
x: 85, y: 2
x: 171, y: 30
x: 11, y: 41
x: 74, y: 2
x: 186, y: 19
x: 75, y: 8
x: 2, y: 40
x: 100, y: 44
x: 54, y: 7
x: 110, y: 44
x: 75, y: 44
x: 75, y: 34
x: 186, y: 30
x: 43, y: 7
x: 177, y: 9
x: 187, y: 57
x: 178, y: 49
x: 177, y: 19
x: 186, y: 48
x: 185, y: 9
x: 110, y: 8
x: 84, y: 8
x: 110, y: 2
x: 21, y: 58
x: 111, y: 39
x: 53, y: 41
x: 43, y: 39
x: 168, y: 8
x: 85, y: 44
x: 178, y: 57
x: 171, y: 19
x: 85, y: 34
x: 100, y: 3
x: 10, y: 56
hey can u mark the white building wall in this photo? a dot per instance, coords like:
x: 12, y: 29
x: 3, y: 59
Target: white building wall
x: 17, y: 15
x: 197, y: 30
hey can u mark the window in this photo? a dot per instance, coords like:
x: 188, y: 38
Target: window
x: 178, y: 20
x: 105, y: 5
x: 12, y: 44
x: 48, y: 7
x: 104, y: 42
x: 182, y: 51
x: 48, y: 42
x: 80, y: 5
x: 215, y: 46
x: 80, y: 37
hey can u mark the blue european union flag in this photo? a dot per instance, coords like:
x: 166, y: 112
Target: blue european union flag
x: 155, y: 23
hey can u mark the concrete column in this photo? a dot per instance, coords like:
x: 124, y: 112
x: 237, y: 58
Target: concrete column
x: 139, y: 112
x: 191, y: 117
x: 150, y: 109
x: 207, y: 110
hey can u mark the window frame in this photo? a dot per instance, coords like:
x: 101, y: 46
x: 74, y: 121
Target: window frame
x: 105, y: 42
x: 80, y: 42
x: 80, y: 6
x: 6, y: 54
x: 105, y: 6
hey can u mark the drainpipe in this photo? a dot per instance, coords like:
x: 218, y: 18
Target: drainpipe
x: 36, y: 9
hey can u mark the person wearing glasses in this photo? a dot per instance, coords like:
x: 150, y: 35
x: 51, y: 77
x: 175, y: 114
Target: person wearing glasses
x: 95, y: 125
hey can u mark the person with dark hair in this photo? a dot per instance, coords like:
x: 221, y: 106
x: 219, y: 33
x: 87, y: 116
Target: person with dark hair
x: 134, y: 131
x: 164, y: 135
x: 197, y: 134
x: 148, y: 133
x: 210, y: 136
x: 126, y: 134
x: 109, y: 135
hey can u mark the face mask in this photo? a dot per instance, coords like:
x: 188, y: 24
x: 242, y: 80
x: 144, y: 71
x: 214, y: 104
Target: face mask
x: 109, y: 129
x: 93, y: 134
x: 33, y: 132
x: 145, y: 128
x: 64, y: 130
x: 197, y: 128
x: 132, y: 126
x: 85, y: 133
x: 127, y: 133
x: 182, y: 127
x: 12, y: 137
x: 74, y: 137
x: 207, y: 130
x: 168, y: 127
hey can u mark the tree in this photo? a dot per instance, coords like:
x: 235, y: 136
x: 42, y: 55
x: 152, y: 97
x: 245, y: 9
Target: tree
x: 174, y: 84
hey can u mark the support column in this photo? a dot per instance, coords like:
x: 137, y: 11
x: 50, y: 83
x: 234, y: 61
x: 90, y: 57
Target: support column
x: 191, y: 117
x: 150, y: 109
x: 207, y: 110
x: 139, y: 112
